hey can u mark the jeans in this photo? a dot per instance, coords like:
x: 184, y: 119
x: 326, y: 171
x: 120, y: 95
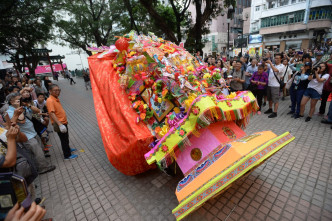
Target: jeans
x: 296, y: 97
x: 64, y: 139
x: 325, y: 96
x: 36, y: 147
x: 259, y: 94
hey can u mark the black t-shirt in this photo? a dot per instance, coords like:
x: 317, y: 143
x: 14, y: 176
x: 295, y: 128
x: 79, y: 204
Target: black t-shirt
x: 86, y: 78
x: 303, y: 84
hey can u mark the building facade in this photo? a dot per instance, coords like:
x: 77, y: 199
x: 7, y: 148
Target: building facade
x: 298, y: 24
x: 216, y: 40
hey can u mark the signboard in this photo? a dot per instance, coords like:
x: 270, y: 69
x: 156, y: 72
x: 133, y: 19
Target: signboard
x: 252, y: 52
x: 253, y: 39
x: 240, y: 42
x: 47, y: 69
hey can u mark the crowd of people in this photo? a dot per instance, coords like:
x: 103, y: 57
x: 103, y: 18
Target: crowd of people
x: 28, y: 105
x: 304, y: 75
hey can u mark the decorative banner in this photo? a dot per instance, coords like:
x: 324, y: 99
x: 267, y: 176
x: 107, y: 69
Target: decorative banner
x: 260, y: 52
x: 47, y: 68
x: 252, y: 52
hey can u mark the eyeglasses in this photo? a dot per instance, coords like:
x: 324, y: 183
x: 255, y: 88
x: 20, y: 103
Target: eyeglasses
x: 56, y: 90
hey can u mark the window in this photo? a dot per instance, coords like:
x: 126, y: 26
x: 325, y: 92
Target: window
x: 293, y: 1
x: 257, y: 8
x: 283, y: 2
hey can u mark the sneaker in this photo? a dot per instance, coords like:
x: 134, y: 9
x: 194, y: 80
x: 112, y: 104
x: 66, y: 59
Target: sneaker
x: 73, y: 156
x: 48, y: 169
x: 47, y: 155
x: 273, y: 115
x: 325, y: 121
x: 269, y: 111
x: 264, y: 104
x: 307, y: 119
x: 72, y: 150
x: 290, y: 112
x: 297, y: 116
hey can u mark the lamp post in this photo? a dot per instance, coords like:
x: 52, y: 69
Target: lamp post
x: 229, y: 17
x: 240, y: 16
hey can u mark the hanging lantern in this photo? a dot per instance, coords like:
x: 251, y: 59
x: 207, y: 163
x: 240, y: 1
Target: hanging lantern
x: 122, y: 44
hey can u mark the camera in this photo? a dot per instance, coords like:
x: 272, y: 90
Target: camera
x: 265, y: 59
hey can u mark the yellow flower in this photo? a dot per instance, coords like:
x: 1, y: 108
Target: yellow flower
x: 207, y: 76
x: 159, y: 100
x: 177, y: 110
x: 145, y: 106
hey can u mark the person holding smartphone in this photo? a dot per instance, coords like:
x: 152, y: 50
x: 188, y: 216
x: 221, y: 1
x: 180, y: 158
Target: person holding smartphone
x: 314, y: 91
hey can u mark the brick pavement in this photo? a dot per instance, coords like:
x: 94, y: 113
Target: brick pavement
x: 294, y: 184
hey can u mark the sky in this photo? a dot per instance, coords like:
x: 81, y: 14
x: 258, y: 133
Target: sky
x: 72, y: 59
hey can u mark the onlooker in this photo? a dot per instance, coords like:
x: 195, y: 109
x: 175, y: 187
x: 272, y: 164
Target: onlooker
x: 259, y: 78
x: 273, y: 89
x: 299, y: 85
x: 327, y: 91
x: 314, y: 90
x: 59, y: 120
x: 70, y: 76
x: 288, y: 72
x: 249, y: 72
x: 39, y: 89
x: 238, y: 77
x: 33, y: 143
x: 86, y: 78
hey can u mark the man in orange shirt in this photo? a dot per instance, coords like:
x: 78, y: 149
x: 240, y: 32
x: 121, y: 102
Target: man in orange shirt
x: 59, y: 120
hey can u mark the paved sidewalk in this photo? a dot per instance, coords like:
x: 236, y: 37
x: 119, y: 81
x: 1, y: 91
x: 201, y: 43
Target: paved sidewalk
x: 294, y: 184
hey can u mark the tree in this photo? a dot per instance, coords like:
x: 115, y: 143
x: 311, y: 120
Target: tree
x: 205, y: 10
x: 24, y: 25
x: 82, y: 23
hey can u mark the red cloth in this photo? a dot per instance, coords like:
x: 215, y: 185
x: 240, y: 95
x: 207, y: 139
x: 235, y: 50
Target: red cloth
x: 327, y: 84
x: 125, y: 141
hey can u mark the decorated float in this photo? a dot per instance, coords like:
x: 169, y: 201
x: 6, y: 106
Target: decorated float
x: 156, y: 104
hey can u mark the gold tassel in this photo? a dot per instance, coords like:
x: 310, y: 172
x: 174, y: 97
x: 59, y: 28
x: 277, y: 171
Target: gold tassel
x: 196, y: 133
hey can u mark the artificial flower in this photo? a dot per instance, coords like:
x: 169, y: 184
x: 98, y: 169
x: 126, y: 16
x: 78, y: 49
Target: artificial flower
x: 142, y: 116
x: 182, y: 132
x: 164, y: 148
x: 196, y: 110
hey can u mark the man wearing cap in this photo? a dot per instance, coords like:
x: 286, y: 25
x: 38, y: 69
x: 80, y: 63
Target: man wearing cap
x: 300, y: 84
x: 318, y: 60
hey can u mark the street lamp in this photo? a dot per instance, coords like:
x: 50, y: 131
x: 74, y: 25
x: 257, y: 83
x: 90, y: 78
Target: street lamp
x: 240, y: 17
x: 230, y: 12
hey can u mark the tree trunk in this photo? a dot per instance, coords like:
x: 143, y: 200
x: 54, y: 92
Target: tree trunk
x: 160, y: 21
x: 198, y: 29
x: 132, y: 19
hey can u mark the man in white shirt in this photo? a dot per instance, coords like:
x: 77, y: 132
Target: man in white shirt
x: 273, y: 90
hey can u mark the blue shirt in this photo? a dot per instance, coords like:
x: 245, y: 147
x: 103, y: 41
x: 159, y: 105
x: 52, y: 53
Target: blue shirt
x: 27, y: 128
x: 251, y: 70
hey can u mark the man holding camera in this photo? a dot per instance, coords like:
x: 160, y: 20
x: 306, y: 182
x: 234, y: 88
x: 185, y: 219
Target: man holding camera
x: 59, y: 121
x: 33, y: 143
x: 273, y: 90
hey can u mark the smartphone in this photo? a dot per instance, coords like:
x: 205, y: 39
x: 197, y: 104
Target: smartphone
x: 20, y: 188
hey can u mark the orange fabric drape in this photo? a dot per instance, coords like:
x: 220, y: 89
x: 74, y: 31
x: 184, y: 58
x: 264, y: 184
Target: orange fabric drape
x: 125, y: 141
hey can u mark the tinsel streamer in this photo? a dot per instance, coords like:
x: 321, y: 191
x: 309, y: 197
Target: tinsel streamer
x: 196, y: 133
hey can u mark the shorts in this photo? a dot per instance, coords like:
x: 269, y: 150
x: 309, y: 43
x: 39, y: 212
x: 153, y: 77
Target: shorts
x: 273, y: 94
x: 312, y: 93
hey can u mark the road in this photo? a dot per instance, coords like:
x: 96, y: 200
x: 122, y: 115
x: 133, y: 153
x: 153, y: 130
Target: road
x: 294, y: 184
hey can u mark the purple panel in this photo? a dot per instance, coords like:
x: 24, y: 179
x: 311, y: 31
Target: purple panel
x: 206, y: 142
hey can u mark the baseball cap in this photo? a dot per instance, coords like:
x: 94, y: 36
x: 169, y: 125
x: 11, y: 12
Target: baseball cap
x: 307, y: 64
